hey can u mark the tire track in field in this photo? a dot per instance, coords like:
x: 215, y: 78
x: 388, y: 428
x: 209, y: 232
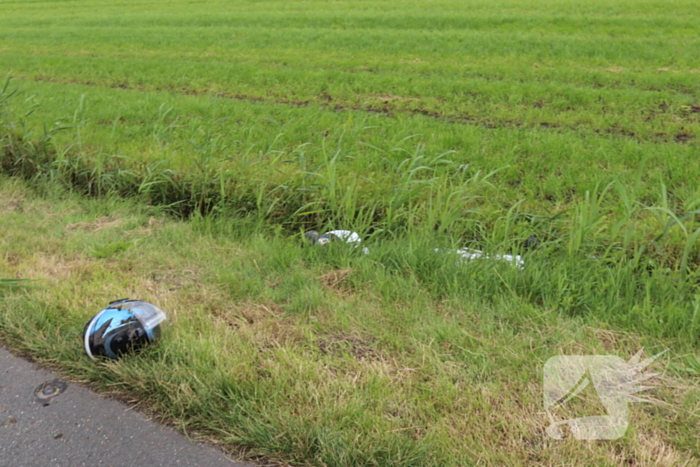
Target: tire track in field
x: 327, y: 102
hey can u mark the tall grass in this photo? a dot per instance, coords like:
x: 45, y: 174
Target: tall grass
x: 609, y: 254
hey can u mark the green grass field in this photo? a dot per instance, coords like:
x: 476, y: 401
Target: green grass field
x: 174, y: 151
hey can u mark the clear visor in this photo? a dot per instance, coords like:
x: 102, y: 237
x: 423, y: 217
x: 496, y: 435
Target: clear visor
x: 149, y: 315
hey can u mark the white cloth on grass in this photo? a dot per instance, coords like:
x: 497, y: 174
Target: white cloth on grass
x: 468, y: 254
x: 347, y: 236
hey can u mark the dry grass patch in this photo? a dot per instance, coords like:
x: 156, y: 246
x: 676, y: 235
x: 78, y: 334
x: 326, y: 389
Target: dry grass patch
x: 258, y: 312
x: 95, y: 225
x: 172, y: 279
x: 614, y: 341
x: 11, y: 203
x: 336, y: 281
x: 262, y: 325
x: 12, y: 197
x: 361, y: 348
x: 52, y: 269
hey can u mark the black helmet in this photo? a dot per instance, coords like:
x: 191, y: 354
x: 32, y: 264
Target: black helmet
x: 123, y: 326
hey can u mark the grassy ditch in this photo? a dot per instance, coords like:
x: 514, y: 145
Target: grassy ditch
x: 613, y: 252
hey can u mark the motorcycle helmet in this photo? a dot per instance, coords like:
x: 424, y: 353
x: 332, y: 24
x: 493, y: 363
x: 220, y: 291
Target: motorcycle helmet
x: 125, y: 325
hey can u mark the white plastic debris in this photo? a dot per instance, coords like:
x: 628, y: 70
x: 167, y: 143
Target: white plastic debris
x: 468, y: 254
x: 346, y: 236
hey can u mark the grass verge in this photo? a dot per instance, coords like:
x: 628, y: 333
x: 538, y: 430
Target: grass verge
x: 323, y: 356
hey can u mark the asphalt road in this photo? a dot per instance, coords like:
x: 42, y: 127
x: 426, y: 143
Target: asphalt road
x: 79, y: 428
